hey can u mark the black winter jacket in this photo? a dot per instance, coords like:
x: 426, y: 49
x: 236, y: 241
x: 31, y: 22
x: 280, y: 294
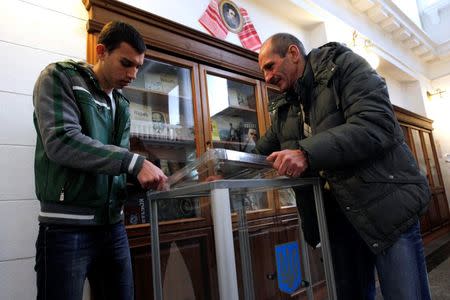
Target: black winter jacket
x: 357, y: 144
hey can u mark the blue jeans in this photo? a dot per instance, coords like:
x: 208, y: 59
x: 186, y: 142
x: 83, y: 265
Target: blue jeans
x: 401, y: 268
x: 67, y: 255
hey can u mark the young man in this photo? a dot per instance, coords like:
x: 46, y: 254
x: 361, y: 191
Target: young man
x: 336, y: 121
x: 81, y: 161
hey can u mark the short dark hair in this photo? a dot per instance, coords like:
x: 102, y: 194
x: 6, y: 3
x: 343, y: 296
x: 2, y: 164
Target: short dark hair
x: 280, y: 43
x: 116, y: 32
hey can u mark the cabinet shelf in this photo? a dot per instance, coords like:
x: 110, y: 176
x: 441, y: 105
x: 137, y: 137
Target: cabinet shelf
x: 235, y: 111
x: 238, y: 146
x: 132, y: 89
x: 164, y: 143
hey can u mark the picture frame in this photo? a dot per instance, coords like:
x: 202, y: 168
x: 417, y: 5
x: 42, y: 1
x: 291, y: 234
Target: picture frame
x: 159, y: 125
x: 231, y: 16
x: 158, y: 117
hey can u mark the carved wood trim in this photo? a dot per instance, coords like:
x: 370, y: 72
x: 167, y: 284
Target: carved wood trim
x: 167, y: 36
x: 409, y: 118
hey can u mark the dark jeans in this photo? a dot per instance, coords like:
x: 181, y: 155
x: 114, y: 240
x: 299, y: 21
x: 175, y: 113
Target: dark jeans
x: 401, y: 268
x: 67, y: 255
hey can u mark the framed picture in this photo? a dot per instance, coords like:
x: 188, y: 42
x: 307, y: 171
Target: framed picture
x: 158, y: 117
x: 231, y: 16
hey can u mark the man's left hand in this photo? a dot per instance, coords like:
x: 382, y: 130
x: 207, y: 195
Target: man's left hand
x: 291, y: 163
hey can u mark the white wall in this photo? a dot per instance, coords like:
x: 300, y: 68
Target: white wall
x: 438, y: 108
x: 395, y: 88
x: 33, y: 33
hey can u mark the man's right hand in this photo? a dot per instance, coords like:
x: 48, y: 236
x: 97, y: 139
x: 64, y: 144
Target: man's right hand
x: 151, y: 177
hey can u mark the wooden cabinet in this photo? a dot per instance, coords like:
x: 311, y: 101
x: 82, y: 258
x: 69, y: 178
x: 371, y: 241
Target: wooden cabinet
x: 419, y: 136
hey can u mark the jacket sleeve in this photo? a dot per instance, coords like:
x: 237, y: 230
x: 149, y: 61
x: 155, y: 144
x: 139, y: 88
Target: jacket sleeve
x: 268, y: 143
x: 370, y: 126
x: 57, y: 119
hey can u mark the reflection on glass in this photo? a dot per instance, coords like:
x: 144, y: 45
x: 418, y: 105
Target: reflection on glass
x: 434, y: 173
x: 162, y: 129
x: 405, y: 134
x: 161, y: 102
x: 251, y: 201
x: 287, y: 198
x: 232, y: 108
x: 176, y: 274
x: 419, y: 152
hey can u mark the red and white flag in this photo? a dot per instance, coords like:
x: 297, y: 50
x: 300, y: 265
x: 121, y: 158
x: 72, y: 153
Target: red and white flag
x: 248, y: 35
x: 212, y: 21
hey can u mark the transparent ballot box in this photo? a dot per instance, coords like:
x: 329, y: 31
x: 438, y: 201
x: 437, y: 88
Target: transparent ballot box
x: 253, y: 258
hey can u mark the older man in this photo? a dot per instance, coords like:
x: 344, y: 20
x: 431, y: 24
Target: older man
x: 336, y: 120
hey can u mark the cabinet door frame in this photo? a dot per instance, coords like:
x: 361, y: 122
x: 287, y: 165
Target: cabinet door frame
x: 260, y: 112
x: 196, y: 99
x: 204, y: 71
x: 205, y: 218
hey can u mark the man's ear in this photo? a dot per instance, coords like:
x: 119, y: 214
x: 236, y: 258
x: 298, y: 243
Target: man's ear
x: 294, y: 53
x: 101, y: 51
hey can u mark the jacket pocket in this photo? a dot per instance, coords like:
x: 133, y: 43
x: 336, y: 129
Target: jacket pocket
x: 86, y: 189
x: 397, y: 166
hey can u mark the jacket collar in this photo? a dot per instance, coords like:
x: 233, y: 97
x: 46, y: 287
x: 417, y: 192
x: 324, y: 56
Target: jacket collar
x: 86, y: 70
x: 322, y: 60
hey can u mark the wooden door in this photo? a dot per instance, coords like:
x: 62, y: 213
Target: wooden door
x: 419, y: 137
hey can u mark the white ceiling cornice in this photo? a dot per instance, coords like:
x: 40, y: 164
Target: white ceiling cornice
x: 395, y: 22
x: 433, y: 10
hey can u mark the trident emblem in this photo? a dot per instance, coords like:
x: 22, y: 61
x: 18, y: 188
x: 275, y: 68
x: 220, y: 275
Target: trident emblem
x: 288, y: 267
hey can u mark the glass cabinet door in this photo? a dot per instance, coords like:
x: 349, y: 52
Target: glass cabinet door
x: 162, y: 129
x: 419, y: 147
x: 236, y: 120
x: 233, y: 112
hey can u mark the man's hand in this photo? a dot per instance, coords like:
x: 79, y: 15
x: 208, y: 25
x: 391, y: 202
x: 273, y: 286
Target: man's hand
x: 151, y: 177
x: 291, y: 163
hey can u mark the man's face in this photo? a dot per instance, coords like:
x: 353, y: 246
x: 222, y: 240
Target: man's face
x: 277, y: 70
x: 120, y: 66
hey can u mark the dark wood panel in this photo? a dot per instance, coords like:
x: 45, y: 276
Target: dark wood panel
x: 443, y: 207
x: 187, y: 263
x: 433, y: 213
x: 425, y: 226
x: 263, y: 238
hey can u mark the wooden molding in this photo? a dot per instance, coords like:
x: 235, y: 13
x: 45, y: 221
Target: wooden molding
x: 409, y: 118
x: 167, y: 36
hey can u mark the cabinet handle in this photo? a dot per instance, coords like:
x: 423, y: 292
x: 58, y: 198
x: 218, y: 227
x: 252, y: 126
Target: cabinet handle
x: 271, y: 276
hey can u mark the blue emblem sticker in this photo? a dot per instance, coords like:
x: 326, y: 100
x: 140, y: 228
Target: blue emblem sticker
x: 289, y: 274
